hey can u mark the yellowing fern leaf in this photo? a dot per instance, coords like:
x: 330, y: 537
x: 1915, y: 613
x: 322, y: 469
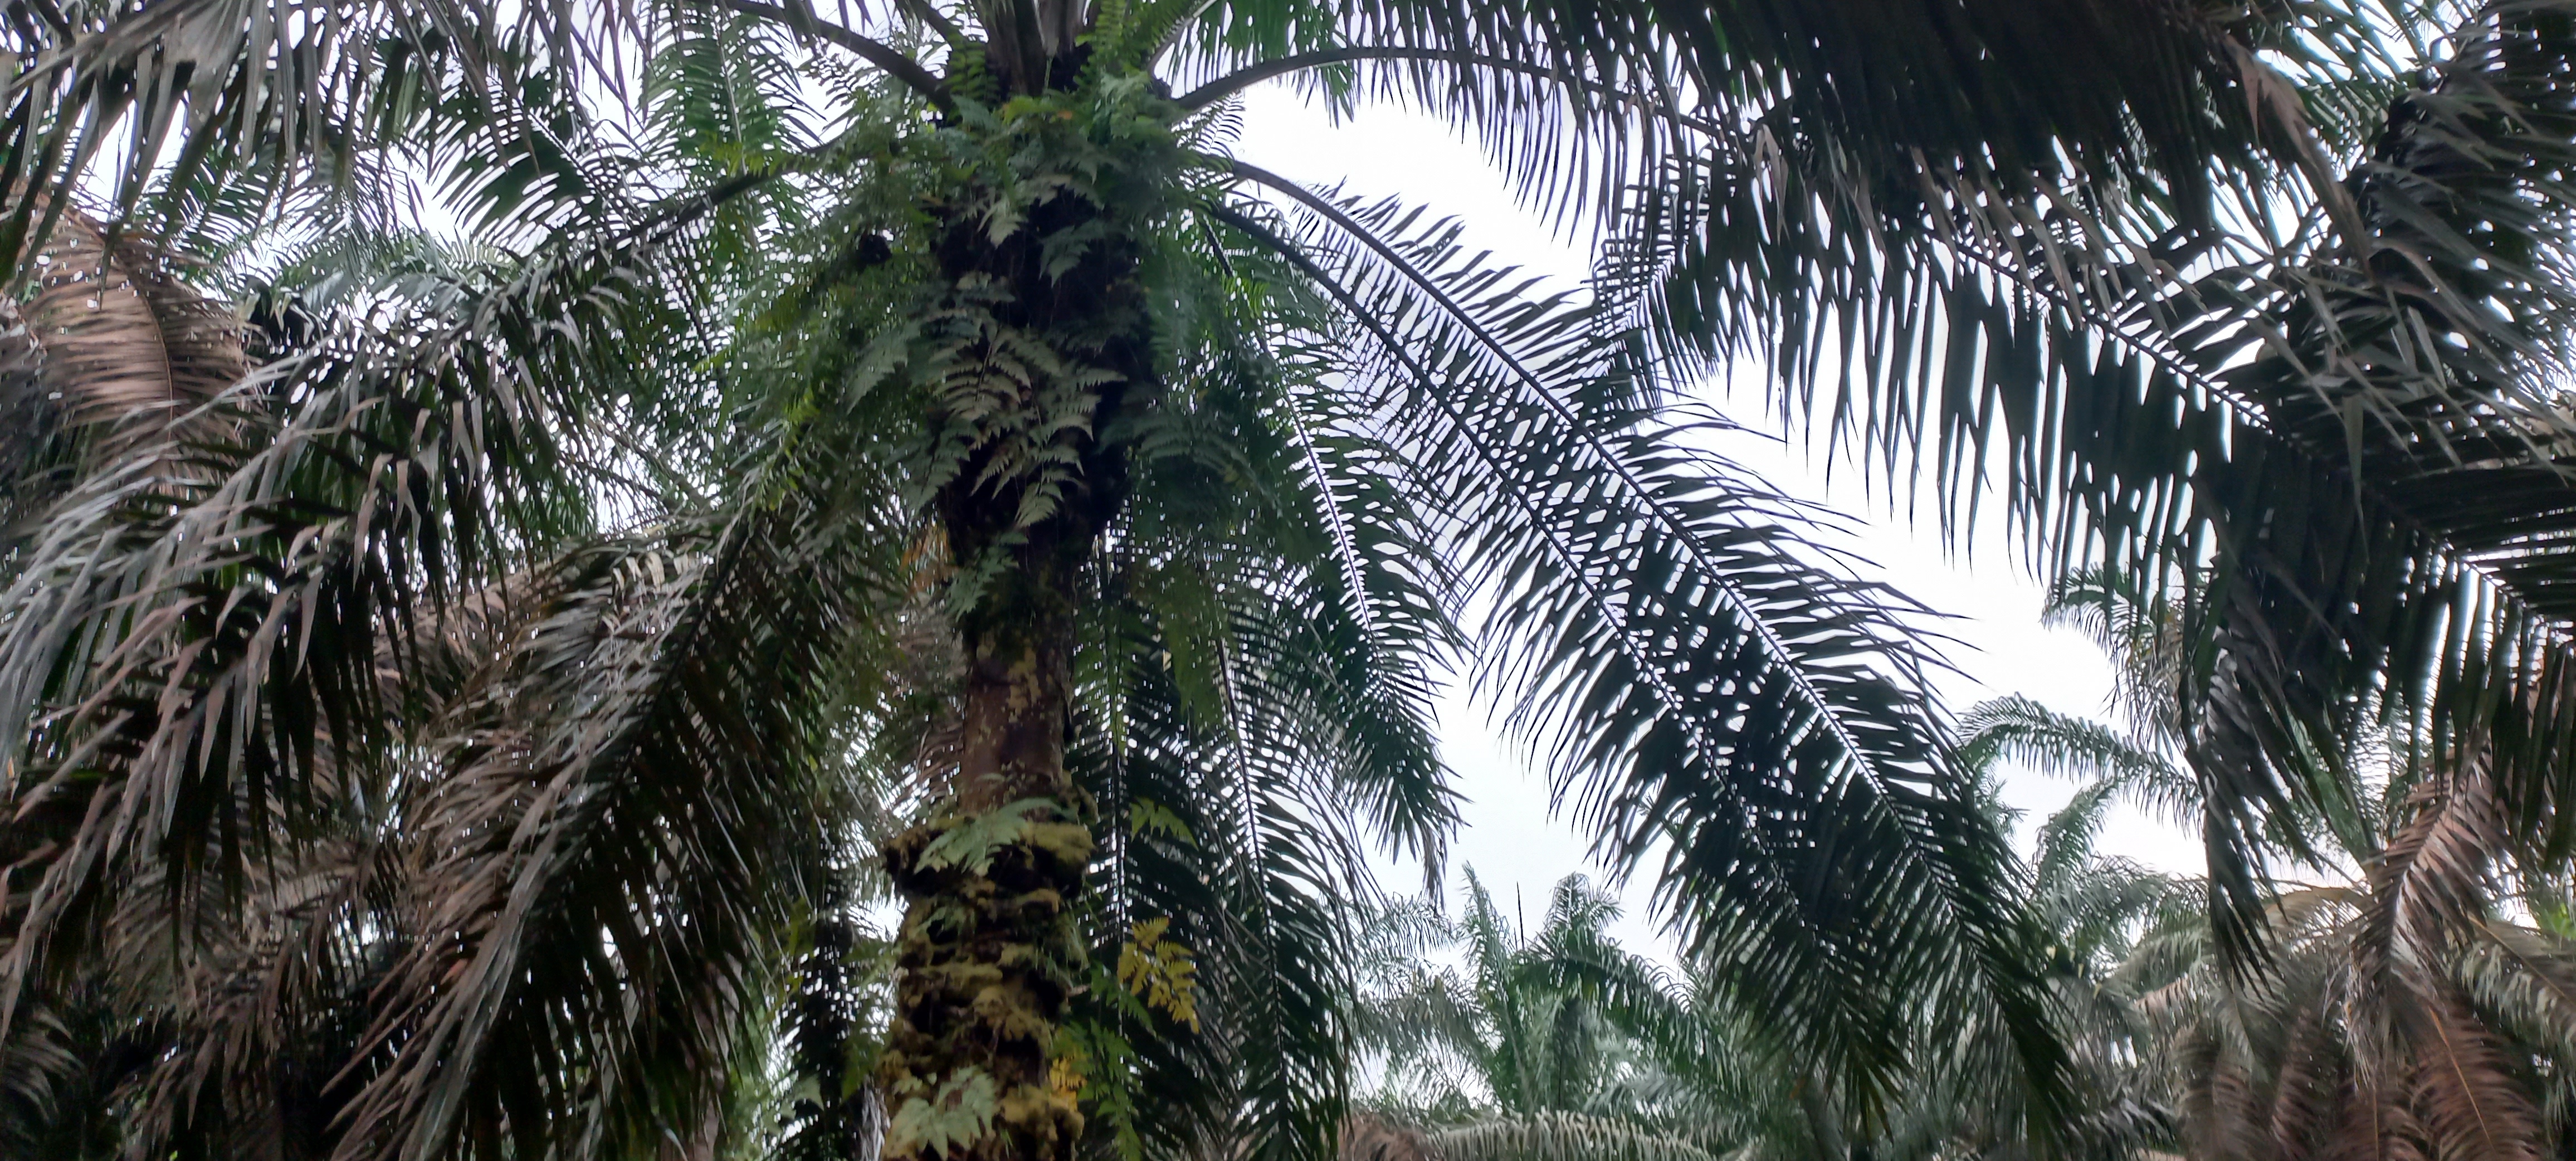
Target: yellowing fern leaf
x: 1160, y: 971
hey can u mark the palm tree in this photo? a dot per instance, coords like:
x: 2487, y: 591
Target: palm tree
x: 2314, y: 405
x: 441, y: 711
x: 1554, y: 1043
x: 1529, y: 1022
x: 2095, y: 910
x: 1061, y: 380
x: 2404, y: 1011
x: 1490, y: 1041
x: 2452, y: 1050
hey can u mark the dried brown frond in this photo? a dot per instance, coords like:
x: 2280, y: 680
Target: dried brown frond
x: 2220, y: 1103
x: 2434, y: 880
x: 2470, y: 1104
x: 109, y: 351
x: 2308, y: 1083
x: 126, y: 346
x: 2374, y: 1126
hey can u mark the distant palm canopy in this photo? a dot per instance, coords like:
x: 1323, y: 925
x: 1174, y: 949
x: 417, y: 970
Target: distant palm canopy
x: 521, y: 523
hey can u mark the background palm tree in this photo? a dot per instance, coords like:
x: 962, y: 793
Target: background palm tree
x: 1530, y: 1022
x: 1492, y: 1040
x: 2404, y: 1008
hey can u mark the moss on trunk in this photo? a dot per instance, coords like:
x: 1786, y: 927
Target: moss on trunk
x: 988, y: 955
x: 1044, y: 338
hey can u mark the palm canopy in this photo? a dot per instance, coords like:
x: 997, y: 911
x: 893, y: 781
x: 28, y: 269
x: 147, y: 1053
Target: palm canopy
x: 2314, y: 404
x: 1493, y: 1040
x: 2413, y: 1003
x: 443, y: 711
x: 1554, y: 1020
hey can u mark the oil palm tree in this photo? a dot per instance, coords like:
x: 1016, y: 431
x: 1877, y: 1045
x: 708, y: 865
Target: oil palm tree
x: 1498, y: 1029
x: 1117, y: 423
x: 441, y: 709
x: 2448, y: 1049
x: 2315, y: 403
x: 1493, y: 1040
x: 2410, y: 1004
x: 2095, y: 910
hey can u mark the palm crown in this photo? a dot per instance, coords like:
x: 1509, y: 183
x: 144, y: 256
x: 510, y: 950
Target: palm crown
x: 1559, y: 1043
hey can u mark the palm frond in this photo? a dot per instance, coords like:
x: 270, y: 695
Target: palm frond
x: 106, y: 356
x: 196, y: 637
x: 1231, y: 843
x: 1563, y: 1137
x: 831, y: 1111
x: 2016, y: 729
x: 1748, y: 731
x: 2163, y: 397
x: 1580, y: 97
x: 202, y: 94
x: 586, y: 875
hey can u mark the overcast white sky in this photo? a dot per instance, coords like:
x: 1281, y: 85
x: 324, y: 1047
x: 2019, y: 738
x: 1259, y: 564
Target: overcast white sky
x: 1509, y: 838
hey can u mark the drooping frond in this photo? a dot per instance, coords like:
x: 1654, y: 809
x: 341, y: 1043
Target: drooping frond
x: 233, y: 105
x: 109, y: 352
x: 229, y: 125
x: 198, y: 636
x: 2018, y: 730
x: 1251, y: 718
x: 1253, y: 734
x: 1745, y: 732
x: 617, y: 909
x: 1992, y: 99
x: 2331, y: 450
x: 1230, y: 841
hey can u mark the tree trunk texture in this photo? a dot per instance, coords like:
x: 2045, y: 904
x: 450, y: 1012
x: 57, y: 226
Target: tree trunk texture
x: 990, y: 955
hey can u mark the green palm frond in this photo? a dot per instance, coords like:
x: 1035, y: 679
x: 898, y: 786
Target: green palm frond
x: 2019, y: 730
x: 1564, y: 1137
x: 540, y: 901
x: 1580, y: 98
x: 253, y: 590
x: 1745, y: 726
x: 2331, y: 457
x: 1231, y: 838
x: 236, y: 105
x: 823, y: 1106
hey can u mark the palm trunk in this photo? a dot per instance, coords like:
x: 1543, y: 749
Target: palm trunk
x: 990, y: 956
